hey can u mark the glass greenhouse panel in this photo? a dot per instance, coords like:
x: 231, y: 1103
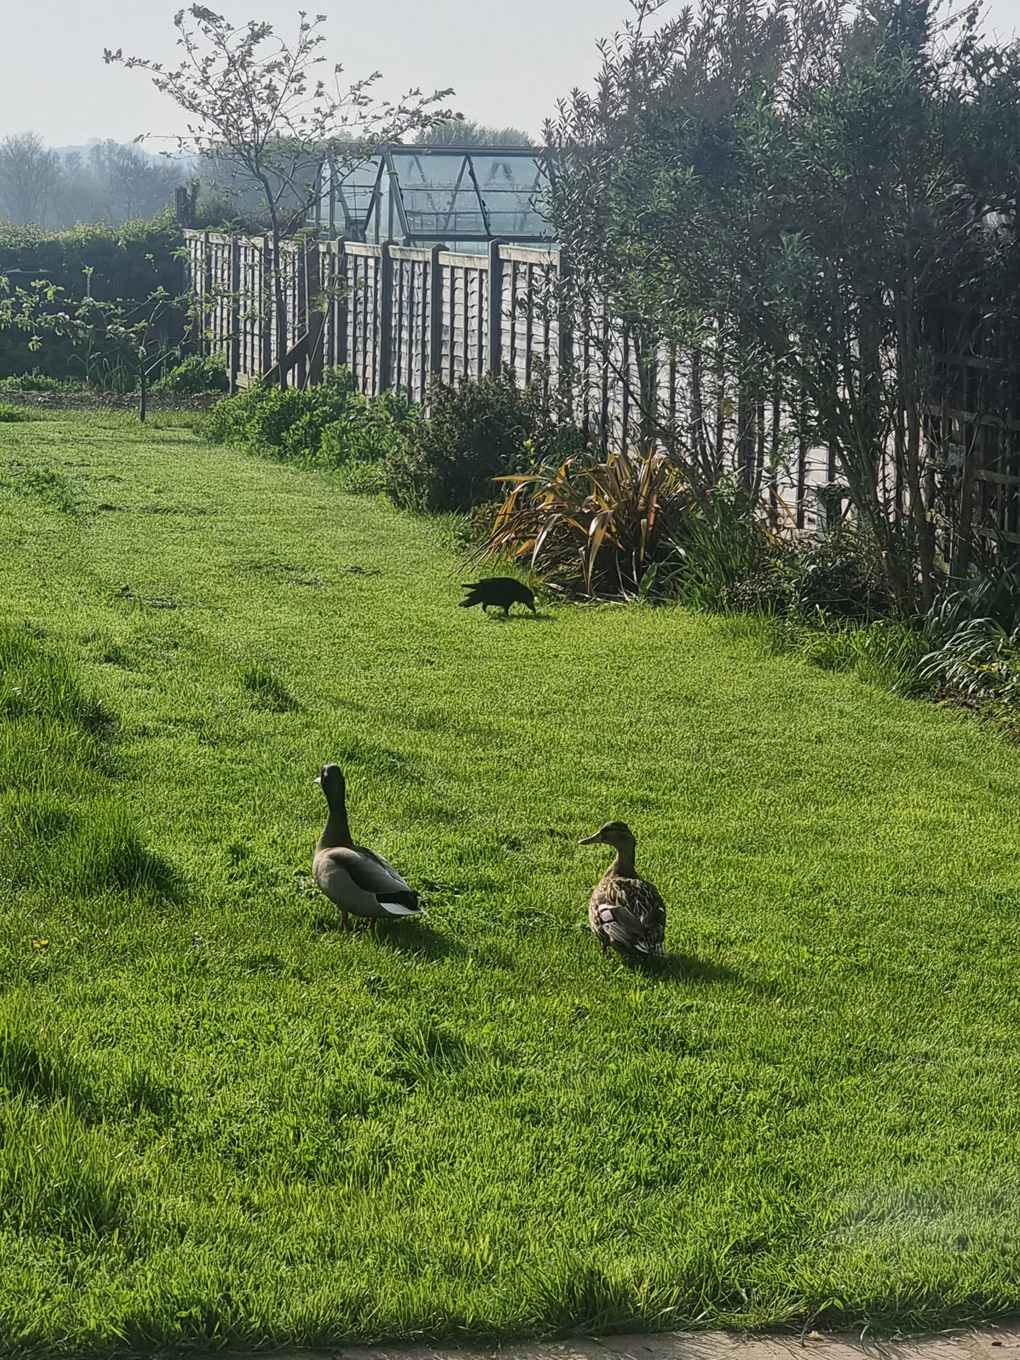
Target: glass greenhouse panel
x: 427, y: 195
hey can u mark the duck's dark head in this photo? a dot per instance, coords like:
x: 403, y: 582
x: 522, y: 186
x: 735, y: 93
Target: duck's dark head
x: 616, y: 834
x: 333, y: 785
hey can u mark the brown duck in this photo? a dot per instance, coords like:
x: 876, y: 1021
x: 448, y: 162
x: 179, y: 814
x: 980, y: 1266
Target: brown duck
x: 625, y: 911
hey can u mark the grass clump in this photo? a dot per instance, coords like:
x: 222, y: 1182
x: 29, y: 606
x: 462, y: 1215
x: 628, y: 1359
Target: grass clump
x: 44, y: 484
x: 29, y: 1069
x: 14, y: 415
x: 65, y: 829
x: 57, y: 1177
x: 39, y: 680
x: 886, y: 652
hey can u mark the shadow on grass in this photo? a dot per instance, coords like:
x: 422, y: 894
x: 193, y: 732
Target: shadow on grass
x: 111, y: 855
x: 525, y: 616
x: 267, y: 690
x: 410, y: 936
x: 31, y: 1069
x: 147, y: 1094
x: 407, y: 936
x: 680, y: 968
x: 96, y: 851
x: 156, y: 875
x: 360, y: 753
x: 417, y: 937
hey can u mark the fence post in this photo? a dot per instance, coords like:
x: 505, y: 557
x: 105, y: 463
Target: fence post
x: 341, y: 343
x: 207, y: 306
x: 494, y: 351
x: 435, y: 313
x: 234, y: 359
x: 316, y: 316
x: 268, y: 308
x: 194, y: 305
x: 297, y: 300
x: 385, y: 317
x: 564, y: 333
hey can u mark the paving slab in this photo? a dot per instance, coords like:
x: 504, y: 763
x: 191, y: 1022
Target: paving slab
x: 987, y: 1343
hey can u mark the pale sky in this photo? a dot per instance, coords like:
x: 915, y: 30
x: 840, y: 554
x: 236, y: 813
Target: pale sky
x: 508, y: 60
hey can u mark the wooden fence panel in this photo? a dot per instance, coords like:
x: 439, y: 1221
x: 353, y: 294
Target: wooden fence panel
x: 364, y: 315
x: 410, y: 330
x: 397, y: 315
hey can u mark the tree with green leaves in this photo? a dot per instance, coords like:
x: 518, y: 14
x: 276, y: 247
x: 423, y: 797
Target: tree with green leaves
x: 116, y: 333
x: 790, y: 197
x: 259, y: 104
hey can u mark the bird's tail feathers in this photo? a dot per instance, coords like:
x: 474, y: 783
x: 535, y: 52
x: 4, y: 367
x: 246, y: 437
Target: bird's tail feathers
x: 656, y: 950
x: 395, y: 909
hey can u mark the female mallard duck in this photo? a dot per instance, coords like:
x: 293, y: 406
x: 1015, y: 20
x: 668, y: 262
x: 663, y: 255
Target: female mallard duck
x: 625, y: 911
x: 359, y: 881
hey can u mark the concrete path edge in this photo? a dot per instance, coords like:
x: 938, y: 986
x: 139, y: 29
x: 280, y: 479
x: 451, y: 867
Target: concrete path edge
x: 986, y: 1343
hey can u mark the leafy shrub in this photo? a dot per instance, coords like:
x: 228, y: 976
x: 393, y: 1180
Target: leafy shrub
x: 329, y: 425
x: 769, y: 587
x: 980, y: 662
x: 991, y: 592
x: 734, y: 559
x: 286, y: 421
x: 195, y: 374
x: 720, y: 546
x: 475, y: 431
x: 126, y: 260
x: 13, y: 415
x: 842, y: 576
x: 33, y: 382
x: 367, y: 431
x: 608, y: 520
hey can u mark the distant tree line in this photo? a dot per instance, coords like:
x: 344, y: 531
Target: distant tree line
x: 467, y: 132
x: 108, y: 183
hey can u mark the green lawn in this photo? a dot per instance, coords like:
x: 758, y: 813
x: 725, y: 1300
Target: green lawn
x: 227, y: 1124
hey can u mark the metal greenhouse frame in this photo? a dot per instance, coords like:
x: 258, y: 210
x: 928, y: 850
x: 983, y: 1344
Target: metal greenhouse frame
x: 462, y: 197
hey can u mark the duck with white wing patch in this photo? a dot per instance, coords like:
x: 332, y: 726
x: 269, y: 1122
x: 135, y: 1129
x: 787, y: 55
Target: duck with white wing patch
x: 357, y: 880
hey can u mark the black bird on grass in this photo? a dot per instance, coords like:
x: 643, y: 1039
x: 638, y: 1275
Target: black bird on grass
x: 500, y: 592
